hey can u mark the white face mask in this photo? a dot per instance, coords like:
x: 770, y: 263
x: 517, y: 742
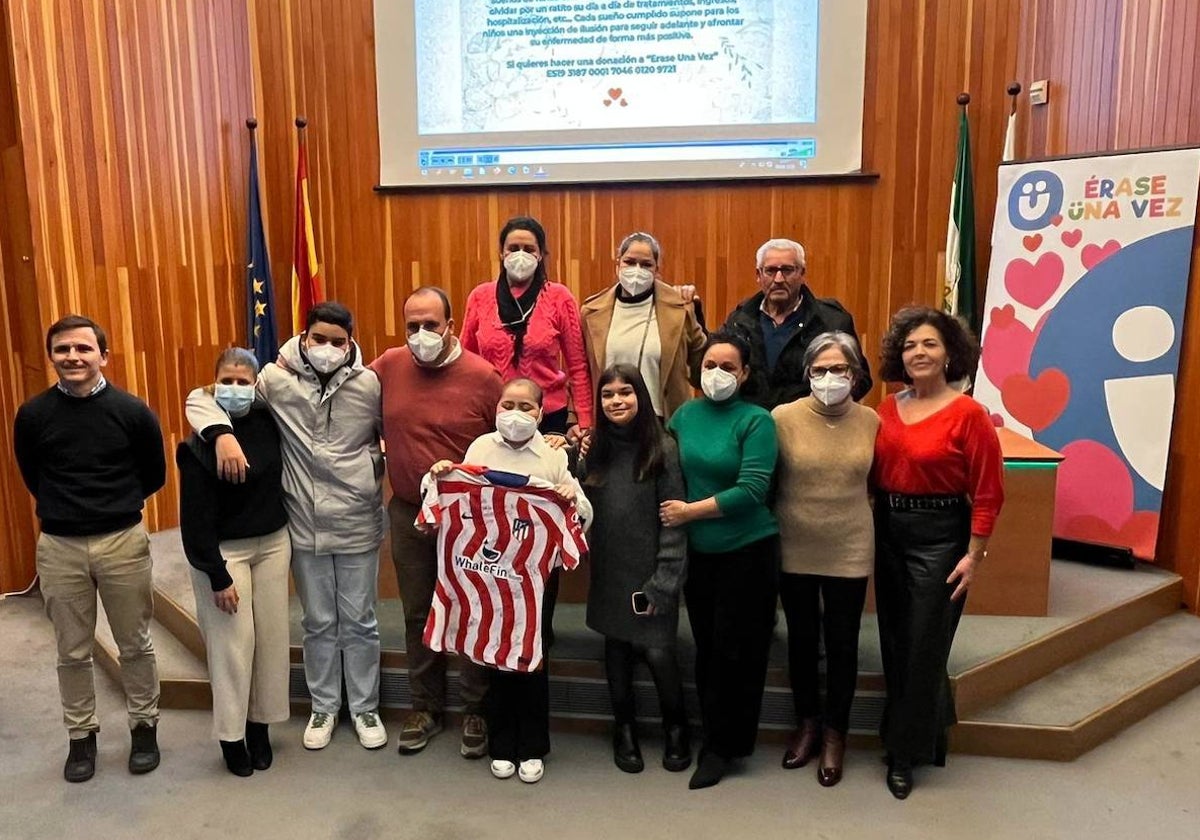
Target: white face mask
x: 718, y: 384
x: 235, y: 399
x: 325, y: 358
x: 831, y: 389
x: 520, y: 265
x: 426, y: 345
x: 516, y: 426
x: 635, y: 279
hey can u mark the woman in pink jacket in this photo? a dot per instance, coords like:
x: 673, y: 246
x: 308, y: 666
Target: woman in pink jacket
x: 527, y: 326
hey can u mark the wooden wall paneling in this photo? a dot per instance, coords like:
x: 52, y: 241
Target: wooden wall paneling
x: 131, y: 125
x: 25, y: 362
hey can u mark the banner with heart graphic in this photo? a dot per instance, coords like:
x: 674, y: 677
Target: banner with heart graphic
x: 1082, y: 328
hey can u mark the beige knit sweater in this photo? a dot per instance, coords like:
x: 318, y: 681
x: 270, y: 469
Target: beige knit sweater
x: 822, y: 501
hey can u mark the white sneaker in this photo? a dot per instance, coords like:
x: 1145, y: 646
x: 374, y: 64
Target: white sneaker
x: 503, y: 769
x: 531, y: 771
x: 369, y: 727
x: 319, y: 730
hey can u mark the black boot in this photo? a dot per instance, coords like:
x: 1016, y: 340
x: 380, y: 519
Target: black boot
x: 900, y: 778
x: 143, y: 753
x: 237, y: 759
x: 81, y: 760
x: 259, y: 745
x: 626, y: 753
x: 709, y: 770
x: 677, y: 751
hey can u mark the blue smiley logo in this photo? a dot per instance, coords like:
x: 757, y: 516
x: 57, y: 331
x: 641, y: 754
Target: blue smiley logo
x: 1034, y: 200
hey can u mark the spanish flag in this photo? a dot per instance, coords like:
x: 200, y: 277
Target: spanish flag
x: 306, y: 274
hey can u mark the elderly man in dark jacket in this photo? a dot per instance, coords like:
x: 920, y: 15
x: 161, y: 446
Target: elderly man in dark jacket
x: 780, y: 321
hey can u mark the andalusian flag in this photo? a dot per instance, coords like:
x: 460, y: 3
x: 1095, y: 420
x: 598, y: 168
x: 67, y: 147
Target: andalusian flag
x: 958, y: 292
x: 260, y: 296
x: 306, y: 276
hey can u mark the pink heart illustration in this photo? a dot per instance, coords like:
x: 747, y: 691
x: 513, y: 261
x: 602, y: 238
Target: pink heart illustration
x: 1071, y: 238
x: 1093, y: 254
x: 1009, y: 345
x: 997, y: 420
x: 1032, y: 284
x: 1056, y: 220
x: 1032, y: 243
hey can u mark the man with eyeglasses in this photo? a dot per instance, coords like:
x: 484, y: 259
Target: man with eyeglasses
x: 780, y: 321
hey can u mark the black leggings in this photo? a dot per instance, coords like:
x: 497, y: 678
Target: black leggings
x: 619, y: 658
x: 843, y: 598
x: 731, y: 605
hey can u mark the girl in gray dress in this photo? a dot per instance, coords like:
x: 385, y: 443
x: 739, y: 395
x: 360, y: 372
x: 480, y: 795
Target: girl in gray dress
x: 637, y: 564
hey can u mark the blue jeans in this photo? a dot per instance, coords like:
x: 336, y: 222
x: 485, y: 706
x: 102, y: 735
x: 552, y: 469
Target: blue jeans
x: 341, y: 633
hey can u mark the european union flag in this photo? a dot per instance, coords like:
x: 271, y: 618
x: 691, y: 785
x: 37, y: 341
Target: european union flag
x: 260, y: 296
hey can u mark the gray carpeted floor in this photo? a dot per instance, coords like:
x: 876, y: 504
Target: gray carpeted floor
x: 1141, y: 784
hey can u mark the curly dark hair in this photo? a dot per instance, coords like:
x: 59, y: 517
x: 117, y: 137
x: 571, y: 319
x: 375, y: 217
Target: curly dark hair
x: 962, y: 349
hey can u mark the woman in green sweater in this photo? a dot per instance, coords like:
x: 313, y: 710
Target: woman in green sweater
x: 727, y: 451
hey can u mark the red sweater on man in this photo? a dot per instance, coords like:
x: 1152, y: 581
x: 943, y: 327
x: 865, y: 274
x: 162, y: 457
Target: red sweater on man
x: 953, y: 452
x: 431, y: 414
x: 553, y: 341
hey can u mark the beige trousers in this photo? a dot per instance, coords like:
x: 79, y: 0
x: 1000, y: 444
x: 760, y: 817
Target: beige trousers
x: 117, y: 566
x: 248, y: 663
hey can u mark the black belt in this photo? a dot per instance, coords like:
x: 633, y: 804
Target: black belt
x: 904, y: 501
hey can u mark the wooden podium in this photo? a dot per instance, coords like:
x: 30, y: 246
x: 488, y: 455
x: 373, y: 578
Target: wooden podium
x: 1014, y: 579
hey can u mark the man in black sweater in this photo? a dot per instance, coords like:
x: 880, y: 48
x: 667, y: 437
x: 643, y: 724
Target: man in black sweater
x: 91, y: 454
x: 779, y: 323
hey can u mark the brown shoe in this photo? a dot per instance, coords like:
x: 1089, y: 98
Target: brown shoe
x: 833, y: 754
x: 417, y: 729
x: 474, y: 737
x: 803, y: 745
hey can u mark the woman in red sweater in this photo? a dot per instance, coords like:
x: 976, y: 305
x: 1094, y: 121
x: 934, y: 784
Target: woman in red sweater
x: 529, y: 327
x: 938, y: 477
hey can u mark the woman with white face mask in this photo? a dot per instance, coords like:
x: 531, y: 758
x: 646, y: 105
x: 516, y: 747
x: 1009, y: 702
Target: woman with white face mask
x: 826, y: 446
x: 528, y: 327
x: 235, y: 537
x: 727, y: 449
x: 517, y: 706
x: 643, y: 322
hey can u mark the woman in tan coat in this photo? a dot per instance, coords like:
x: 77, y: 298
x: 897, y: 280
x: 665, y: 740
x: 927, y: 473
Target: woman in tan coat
x: 643, y: 322
x: 826, y: 446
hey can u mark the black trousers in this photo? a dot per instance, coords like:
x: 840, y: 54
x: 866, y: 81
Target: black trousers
x: 731, y: 605
x: 915, y: 551
x: 554, y: 423
x: 802, y: 596
x: 619, y: 659
x: 517, y: 705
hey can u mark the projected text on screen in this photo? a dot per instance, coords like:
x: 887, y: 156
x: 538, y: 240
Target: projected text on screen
x: 547, y: 65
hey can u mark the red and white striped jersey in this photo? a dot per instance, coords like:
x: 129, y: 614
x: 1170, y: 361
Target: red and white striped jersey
x: 499, y: 537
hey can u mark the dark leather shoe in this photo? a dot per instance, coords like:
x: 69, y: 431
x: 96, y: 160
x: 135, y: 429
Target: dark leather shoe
x: 143, y: 752
x: 626, y: 753
x: 710, y: 769
x: 900, y: 779
x: 677, y: 752
x: 833, y: 754
x: 258, y: 744
x: 81, y: 759
x: 803, y: 745
x: 237, y: 759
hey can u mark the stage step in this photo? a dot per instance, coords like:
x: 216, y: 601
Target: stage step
x: 182, y: 676
x: 1068, y: 712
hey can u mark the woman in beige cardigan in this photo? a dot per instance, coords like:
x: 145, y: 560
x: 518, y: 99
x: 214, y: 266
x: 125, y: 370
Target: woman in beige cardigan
x: 826, y: 446
x: 643, y: 322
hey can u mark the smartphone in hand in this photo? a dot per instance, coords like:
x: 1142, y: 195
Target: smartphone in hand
x: 641, y: 604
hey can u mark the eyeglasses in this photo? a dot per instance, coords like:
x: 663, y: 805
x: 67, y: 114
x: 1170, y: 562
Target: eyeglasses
x: 786, y: 270
x: 817, y: 372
